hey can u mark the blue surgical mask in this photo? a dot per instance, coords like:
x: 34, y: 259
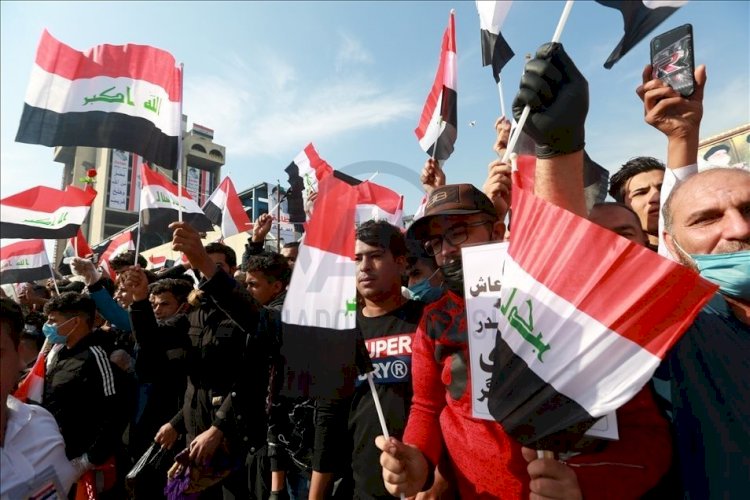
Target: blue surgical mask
x: 53, y: 335
x: 424, y: 291
x: 731, y: 271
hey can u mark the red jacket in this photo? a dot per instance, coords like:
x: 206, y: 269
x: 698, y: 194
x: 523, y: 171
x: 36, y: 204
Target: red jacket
x: 486, y: 462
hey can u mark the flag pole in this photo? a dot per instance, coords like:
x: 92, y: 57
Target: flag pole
x: 180, y: 161
x: 138, y: 233
x: 52, y: 272
x: 379, y: 410
x: 527, y: 109
x: 278, y: 216
x: 500, y: 91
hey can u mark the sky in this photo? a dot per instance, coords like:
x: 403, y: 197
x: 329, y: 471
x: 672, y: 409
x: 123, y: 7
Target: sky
x: 352, y: 78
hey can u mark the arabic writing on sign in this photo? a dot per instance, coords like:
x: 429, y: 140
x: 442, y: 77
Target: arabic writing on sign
x: 153, y: 104
x: 525, y: 327
x: 49, y: 221
x: 482, y: 286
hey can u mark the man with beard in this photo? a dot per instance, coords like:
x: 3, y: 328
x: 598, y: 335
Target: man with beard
x: 485, y: 462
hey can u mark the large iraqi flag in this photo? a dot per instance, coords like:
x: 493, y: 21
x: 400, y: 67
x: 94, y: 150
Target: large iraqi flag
x: 160, y: 205
x: 23, y: 262
x: 45, y: 213
x: 319, y: 313
x: 584, y: 322
x: 111, y: 96
x: 224, y: 209
x: 305, y: 172
x: 437, y: 129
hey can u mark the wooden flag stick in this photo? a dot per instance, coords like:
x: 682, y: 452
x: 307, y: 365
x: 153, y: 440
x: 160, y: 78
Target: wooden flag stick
x: 527, y: 109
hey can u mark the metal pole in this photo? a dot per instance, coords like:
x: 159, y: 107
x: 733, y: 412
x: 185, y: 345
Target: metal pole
x: 278, y: 216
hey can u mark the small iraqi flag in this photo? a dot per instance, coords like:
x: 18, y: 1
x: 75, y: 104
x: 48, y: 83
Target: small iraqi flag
x: 224, y: 209
x: 118, y: 244
x: 307, y: 169
x: 376, y: 202
x: 23, y: 262
x: 584, y: 322
x: 437, y: 129
x: 160, y: 204
x: 319, y: 313
x: 495, y: 50
x: 112, y: 96
x: 640, y: 18
x: 45, y: 213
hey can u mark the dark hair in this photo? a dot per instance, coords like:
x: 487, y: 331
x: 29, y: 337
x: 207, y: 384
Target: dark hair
x: 125, y: 259
x: 416, y: 253
x: 71, y: 304
x: 381, y: 234
x: 273, y: 265
x: 630, y: 169
x: 291, y: 244
x: 10, y: 313
x: 229, y: 254
x: 177, y: 287
x: 616, y: 204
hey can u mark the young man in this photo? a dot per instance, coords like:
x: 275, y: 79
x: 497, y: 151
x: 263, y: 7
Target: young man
x: 638, y: 184
x: 485, y: 462
x: 388, y: 322
x: 268, y: 275
x: 83, y: 390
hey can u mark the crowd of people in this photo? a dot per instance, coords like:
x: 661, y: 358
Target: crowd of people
x: 178, y: 374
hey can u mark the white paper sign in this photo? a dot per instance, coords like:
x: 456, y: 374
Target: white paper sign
x: 118, y: 180
x: 483, y: 266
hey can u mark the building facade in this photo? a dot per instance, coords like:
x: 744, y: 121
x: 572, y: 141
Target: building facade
x: 118, y: 184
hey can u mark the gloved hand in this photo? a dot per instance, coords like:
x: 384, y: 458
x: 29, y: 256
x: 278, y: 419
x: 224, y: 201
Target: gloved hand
x: 558, y: 95
x: 85, y: 268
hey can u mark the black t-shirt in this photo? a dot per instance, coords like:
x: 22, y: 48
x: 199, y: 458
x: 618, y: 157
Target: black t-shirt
x: 388, y: 339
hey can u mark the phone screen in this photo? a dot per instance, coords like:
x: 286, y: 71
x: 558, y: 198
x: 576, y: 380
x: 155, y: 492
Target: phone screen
x: 672, y: 59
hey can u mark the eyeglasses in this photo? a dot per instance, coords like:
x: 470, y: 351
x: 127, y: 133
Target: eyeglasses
x: 455, y: 235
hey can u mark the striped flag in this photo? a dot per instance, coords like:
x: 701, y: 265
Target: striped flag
x: 584, y: 321
x: 31, y: 388
x: 319, y: 313
x: 160, y: 202
x: 23, y: 262
x: 640, y: 18
x: 119, y: 243
x: 224, y: 209
x: 111, y: 96
x: 495, y: 50
x: 307, y: 169
x: 74, y: 247
x: 437, y: 129
x: 376, y: 202
x: 45, y: 213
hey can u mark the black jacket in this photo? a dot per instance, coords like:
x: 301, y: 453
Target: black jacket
x: 227, y: 366
x: 88, y: 396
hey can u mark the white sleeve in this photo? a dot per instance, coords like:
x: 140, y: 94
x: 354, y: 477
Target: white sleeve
x: 50, y: 448
x: 672, y: 177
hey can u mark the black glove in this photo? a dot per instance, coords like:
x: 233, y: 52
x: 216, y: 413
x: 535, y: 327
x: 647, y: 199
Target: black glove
x: 279, y: 495
x: 558, y: 95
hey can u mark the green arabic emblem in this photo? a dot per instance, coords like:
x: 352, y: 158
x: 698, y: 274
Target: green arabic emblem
x: 525, y: 327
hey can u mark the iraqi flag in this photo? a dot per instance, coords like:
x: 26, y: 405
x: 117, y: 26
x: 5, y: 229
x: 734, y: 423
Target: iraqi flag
x: 74, y: 247
x: 640, y: 18
x: 119, y: 243
x: 23, y: 262
x: 307, y: 169
x: 31, y: 388
x: 495, y: 50
x: 224, y: 209
x: 111, y: 96
x: 437, y: 129
x: 319, y: 313
x: 44, y: 213
x: 160, y: 202
x: 376, y: 202
x: 584, y: 321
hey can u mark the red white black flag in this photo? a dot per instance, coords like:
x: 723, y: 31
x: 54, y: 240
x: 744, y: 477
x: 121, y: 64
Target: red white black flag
x: 495, y: 50
x: 111, y: 96
x: 160, y: 203
x: 640, y: 18
x: 23, y: 262
x: 307, y: 169
x: 119, y: 243
x: 45, y: 213
x: 224, y: 209
x: 437, y: 129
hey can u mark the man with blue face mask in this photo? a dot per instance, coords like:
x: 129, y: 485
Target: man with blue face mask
x: 707, y: 227
x: 83, y: 390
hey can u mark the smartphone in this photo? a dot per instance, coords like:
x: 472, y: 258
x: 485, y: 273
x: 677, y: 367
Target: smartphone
x: 672, y: 59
